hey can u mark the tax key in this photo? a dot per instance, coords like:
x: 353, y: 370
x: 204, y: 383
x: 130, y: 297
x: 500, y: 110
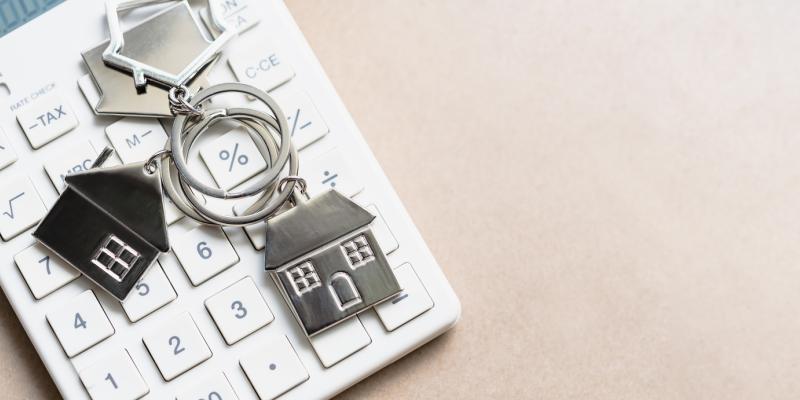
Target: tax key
x: 46, y: 119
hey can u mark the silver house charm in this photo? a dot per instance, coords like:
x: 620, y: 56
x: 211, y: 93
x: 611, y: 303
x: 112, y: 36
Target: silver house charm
x: 326, y: 262
x: 109, y: 224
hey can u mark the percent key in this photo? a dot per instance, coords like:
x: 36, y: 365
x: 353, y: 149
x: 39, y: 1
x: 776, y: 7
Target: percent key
x: 232, y: 159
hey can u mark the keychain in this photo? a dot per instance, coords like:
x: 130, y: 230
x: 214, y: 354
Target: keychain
x: 109, y: 222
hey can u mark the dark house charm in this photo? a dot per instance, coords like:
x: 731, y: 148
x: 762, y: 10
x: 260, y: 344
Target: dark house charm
x: 324, y: 258
x: 109, y: 224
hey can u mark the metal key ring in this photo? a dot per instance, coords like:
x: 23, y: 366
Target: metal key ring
x: 179, y: 127
x: 178, y: 195
x: 267, y: 204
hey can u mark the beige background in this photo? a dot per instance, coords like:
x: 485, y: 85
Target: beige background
x: 611, y: 187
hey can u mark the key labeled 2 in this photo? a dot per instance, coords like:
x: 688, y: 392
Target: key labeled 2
x: 177, y: 346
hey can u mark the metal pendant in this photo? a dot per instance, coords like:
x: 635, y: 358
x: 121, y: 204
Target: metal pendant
x: 170, y: 39
x: 109, y: 224
x: 326, y: 261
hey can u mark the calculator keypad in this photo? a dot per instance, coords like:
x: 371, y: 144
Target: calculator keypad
x: 152, y: 292
x: 239, y: 310
x: 274, y: 369
x: 339, y: 342
x: 43, y: 271
x: 136, y: 139
x: 213, y: 387
x: 204, y: 252
x: 7, y: 154
x: 114, y: 377
x: 259, y: 65
x: 20, y: 207
x: 410, y: 303
x: 177, y: 346
x: 305, y: 123
x: 331, y: 171
x: 80, y: 323
x: 46, y: 119
x: 76, y: 158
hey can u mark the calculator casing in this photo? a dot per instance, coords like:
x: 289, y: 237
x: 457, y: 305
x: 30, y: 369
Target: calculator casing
x: 45, y: 55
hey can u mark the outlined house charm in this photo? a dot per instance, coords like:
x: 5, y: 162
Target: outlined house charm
x: 326, y: 261
x: 109, y: 224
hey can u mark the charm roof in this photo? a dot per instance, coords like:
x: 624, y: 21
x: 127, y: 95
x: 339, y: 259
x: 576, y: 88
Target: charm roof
x: 310, y: 225
x: 129, y: 195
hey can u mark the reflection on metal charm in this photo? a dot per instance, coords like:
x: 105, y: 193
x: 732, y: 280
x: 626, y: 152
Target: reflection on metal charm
x: 169, y: 40
x: 109, y: 224
x: 323, y: 256
x: 144, y: 70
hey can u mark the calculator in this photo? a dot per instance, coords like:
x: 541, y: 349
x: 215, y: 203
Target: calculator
x: 205, y: 321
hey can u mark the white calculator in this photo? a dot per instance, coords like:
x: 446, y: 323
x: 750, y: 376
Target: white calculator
x: 206, y: 321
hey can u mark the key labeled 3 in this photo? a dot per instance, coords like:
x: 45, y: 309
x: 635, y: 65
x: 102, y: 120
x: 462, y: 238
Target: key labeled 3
x: 239, y: 310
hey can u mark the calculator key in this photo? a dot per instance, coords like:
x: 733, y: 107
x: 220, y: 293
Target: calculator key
x: 177, y: 346
x: 89, y: 90
x: 20, y: 207
x: 43, y: 271
x: 274, y: 369
x: 256, y: 62
x: 232, y: 158
x: 46, y: 119
x: 171, y: 213
x: 331, y: 170
x: 214, y: 387
x: 305, y: 123
x: 152, y: 292
x: 239, y: 310
x: 257, y: 233
x: 383, y: 234
x: 204, y: 252
x: 411, y: 302
x: 80, y: 323
x: 7, y: 154
x: 339, y: 342
x: 114, y: 378
x: 73, y: 159
x: 239, y: 14
x: 136, y: 139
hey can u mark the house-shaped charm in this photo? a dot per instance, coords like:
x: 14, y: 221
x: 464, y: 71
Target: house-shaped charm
x: 326, y: 262
x: 109, y: 224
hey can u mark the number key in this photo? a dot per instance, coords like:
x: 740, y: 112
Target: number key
x: 114, y: 378
x: 239, y: 310
x: 177, y: 346
x: 44, y: 272
x: 152, y: 292
x: 204, y: 252
x: 80, y: 323
x: 214, y: 387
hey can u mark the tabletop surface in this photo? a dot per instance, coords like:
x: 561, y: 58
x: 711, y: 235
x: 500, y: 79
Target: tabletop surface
x: 612, y: 189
